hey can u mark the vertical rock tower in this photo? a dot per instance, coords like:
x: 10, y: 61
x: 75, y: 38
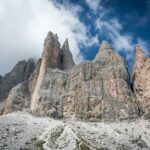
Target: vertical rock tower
x: 95, y: 90
x: 141, y: 80
x: 53, y: 57
x: 50, y: 58
x: 66, y: 57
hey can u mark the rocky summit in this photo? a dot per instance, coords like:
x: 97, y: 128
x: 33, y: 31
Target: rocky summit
x: 141, y: 81
x: 97, y: 90
x: 114, y: 106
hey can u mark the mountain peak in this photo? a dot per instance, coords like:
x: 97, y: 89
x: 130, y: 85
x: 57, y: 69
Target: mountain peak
x: 104, y: 51
x: 66, y: 45
x: 51, y: 50
x: 51, y: 40
x: 94, y: 91
x: 139, y: 53
x: 105, y: 46
x: 66, y: 56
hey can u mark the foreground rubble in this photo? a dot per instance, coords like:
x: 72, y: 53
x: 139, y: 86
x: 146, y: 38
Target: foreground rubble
x: 22, y: 131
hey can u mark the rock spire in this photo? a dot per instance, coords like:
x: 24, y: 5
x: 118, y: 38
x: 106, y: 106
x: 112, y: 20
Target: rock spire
x: 92, y: 90
x: 66, y: 57
x: 141, y: 80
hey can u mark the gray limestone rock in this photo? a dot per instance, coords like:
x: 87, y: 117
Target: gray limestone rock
x: 51, y: 51
x: 93, y: 91
x: 66, y: 57
x: 96, y: 90
x: 20, y: 73
x: 141, y: 81
x: 33, y: 77
x: 18, y: 99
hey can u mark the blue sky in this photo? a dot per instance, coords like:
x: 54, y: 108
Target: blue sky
x: 124, y: 23
x: 86, y: 23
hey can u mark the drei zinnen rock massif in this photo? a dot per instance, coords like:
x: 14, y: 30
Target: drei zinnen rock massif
x: 57, y: 104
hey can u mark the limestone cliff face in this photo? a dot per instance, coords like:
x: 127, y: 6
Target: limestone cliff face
x: 50, y: 59
x: 20, y: 73
x: 95, y: 90
x: 33, y: 78
x: 141, y: 80
x: 17, y: 100
x: 53, y: 57
x: 66, y: 57
x: 51, y: 52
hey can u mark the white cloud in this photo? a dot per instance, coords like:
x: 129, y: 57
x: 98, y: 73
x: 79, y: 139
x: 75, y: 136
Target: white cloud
x: 93, y: 4
x: 121, y: 42
x: 24, y: 25
x: 112, y: 28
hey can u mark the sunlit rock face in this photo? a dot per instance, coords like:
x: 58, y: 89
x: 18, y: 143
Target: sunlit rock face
x: 93, y: 91
x: 50, y: 59
x: 54, y: 57
x: 66, y: 57
x: 51, y: 52
x: 141, y: 81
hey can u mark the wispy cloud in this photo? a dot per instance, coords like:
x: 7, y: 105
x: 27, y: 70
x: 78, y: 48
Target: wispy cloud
x: 24, y: 25
x: 112, y: 28
x: 93, y: 4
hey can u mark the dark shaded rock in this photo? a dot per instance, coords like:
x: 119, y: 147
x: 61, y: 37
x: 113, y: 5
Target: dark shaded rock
x: 18, y: 99
x: 33, y: 78
x: 93, y: 90
x: 30, y: 66
x: 66, y: 57
x: 20, y: 73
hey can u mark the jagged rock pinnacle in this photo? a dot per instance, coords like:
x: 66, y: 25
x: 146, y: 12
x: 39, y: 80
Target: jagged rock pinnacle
x: 51, y: 40
x: 66, y: 57
x: 141, y: 82
x: 94, y: 91
x: 105, y: 46
x: 50, y: 59
x: 107, y: 54
x: 51, y: 52
x: 54, y: 56
x: 139, y: 54
x: 66, y: 45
